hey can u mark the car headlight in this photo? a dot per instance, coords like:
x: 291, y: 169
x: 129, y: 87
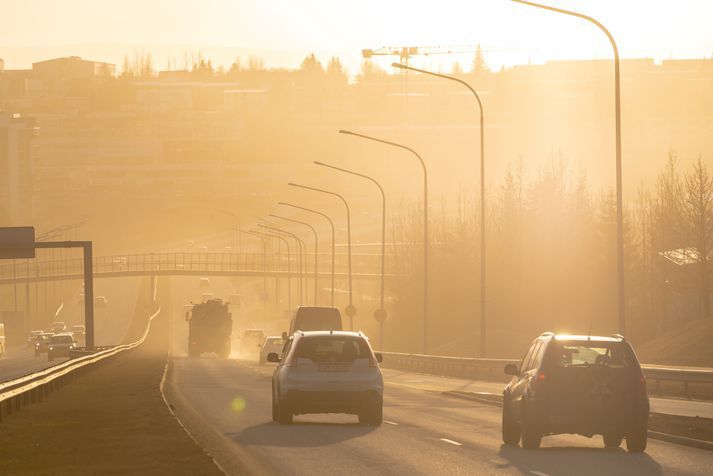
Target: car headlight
x: 51, y: 348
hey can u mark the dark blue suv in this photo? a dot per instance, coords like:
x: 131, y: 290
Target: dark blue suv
x: 586, y: 385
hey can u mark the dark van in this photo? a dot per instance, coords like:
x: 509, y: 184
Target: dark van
x: 316, y: 319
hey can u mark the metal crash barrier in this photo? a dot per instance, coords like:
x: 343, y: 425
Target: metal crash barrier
x: 492, y: 369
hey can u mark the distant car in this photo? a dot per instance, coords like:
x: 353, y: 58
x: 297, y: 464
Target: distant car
x: 32, y: 336
x: 251, y: 340
x: 576, y: 384
x: 327, y: 372
x: 269, y: 345
x: 101, y: 301
x: 42, y: 343
x: 57, y: 327
x: 79, y: 332
x: 60, y: 345
x: 203, y: 283
x: 206, y: 297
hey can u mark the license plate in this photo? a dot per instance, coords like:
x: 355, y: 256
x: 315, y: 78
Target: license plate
x: 331, y: 368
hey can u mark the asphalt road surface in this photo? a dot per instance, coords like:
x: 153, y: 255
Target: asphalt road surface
x: 111, y: 324
x: 226, y: 406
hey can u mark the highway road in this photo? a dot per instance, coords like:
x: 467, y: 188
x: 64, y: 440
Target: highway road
x: 225, y: 404
x: 111, y: 324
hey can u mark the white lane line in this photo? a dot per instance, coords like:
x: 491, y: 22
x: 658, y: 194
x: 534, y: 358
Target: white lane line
x: 451, y: 442
x: 391, y: 423
x: 537, y: 473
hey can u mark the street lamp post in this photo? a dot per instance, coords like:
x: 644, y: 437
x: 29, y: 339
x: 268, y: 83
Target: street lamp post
x: 483, y: 319
x: 331, y: 224
x: 619, y: 199
x: 316, y: 240
x: 425, y: 225
x: 264, y: 268
x: 350, y: 310
x: 289, y: 258
x: 300, y: 247
x: 379, y: 314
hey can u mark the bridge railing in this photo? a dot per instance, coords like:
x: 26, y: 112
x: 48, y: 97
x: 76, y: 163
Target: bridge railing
x: 179, y: 261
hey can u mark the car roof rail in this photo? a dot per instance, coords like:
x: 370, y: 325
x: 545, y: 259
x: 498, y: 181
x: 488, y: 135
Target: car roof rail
x: 547, y: 334
x: 619, y: 336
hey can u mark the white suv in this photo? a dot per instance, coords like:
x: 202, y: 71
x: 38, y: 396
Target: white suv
x: 327, y: 372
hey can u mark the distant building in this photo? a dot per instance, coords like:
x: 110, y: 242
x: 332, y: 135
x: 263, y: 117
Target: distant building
x: 2, y: 65
x: 72, y: 67
x: 16, y: 158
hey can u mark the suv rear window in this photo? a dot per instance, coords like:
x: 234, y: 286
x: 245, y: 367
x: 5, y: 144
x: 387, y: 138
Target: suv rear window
x: 332, y: 349
x: 588, y: 353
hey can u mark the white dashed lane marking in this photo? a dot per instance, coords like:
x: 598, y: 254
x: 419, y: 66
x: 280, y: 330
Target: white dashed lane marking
x: 451, y: 442
x: 391, y: 423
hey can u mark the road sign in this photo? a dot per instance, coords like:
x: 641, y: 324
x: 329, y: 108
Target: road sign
x: 350, y: 311
x: 17, y: 242
x: 380, y: 315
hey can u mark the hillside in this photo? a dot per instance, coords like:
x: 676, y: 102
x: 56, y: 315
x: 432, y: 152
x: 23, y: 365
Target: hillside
x: 690, y: 344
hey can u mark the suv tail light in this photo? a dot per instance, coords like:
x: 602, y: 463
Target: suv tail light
x: 642, y: 385
x: 540, y: 376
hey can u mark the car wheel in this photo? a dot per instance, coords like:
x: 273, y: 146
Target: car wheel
x: 373, y: 415
x: 284, y: 414
x: 531, y: 434
x: 612, y: 440
x: 636, y: 439
x: 510, y: 428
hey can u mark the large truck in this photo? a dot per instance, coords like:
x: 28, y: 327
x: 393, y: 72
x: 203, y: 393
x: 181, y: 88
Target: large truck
x: 210, y: 325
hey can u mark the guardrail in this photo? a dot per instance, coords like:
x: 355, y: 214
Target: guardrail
x: 492, y: 369
x: 34, y: 387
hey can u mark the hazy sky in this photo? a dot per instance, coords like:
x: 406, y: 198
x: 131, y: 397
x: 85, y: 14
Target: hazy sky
x: 654, y: 28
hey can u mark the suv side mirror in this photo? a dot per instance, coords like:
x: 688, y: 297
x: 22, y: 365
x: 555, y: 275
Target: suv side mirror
x: 379, y: 357
x: 511, y: 369
x: 273, y: 357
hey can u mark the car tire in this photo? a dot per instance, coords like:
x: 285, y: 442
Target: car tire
x: 284, y: 414
x: 510, y: 428
x: 612, y: 440
x: 531, y: 433
x: 636, y: 439
x: 275, y: 408
x: 372, y: 416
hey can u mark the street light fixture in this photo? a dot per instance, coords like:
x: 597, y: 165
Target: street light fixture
x: 619, y: 197
x: 350, y: 310
x: 331, y: 224
x: 425, y: 224
x: 316, y: 240
x: 482, y: 193
x: 379, y: 314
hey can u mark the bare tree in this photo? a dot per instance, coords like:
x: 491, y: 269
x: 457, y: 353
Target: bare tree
x: 697, y: 207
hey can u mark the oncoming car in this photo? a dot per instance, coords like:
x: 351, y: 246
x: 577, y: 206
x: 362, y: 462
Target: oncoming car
x: 60, y: 345
x: 586, y: 385
x: 327, y: 372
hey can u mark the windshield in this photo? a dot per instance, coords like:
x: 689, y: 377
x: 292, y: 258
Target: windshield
x: 584, y: 354
x: 61, y: 340
x: 332, y: 349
